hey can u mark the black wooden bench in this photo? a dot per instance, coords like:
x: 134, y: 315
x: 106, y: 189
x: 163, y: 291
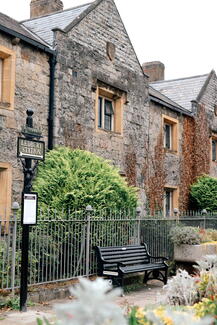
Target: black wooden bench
x: 117, y: 261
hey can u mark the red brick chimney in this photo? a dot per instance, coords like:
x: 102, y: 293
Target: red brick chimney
x: 43, y: 7
x: 155, y: 70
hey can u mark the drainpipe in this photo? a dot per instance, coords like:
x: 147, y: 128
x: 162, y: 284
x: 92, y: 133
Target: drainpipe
x: 52, y: 62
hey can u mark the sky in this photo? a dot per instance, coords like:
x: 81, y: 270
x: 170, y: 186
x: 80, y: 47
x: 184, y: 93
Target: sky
x: 180, y: 33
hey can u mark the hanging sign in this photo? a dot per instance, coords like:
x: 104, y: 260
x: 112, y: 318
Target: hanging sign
x: 30, y: 204
x: 32, y: 149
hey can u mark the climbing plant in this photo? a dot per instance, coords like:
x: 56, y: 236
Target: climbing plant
x: 195, y: 160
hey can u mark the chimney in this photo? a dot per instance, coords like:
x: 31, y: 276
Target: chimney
x: 155, y: 70
x: 40, y: 8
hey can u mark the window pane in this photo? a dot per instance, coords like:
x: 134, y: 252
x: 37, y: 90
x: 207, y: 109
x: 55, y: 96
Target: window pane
x: 109, y: 107
x: 108, y: 122
x: 100, y: 112
x: 168, y: 202
x: 167, y: 136
x: 214, y: 150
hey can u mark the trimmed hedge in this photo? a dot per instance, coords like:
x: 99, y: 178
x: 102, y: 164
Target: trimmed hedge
x: 204, y: 192
x: 73, y: 179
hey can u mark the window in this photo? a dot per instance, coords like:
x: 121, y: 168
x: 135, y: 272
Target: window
x: 170, y: 128
x: 1, y: 78
x: 214, y: 151
x: 7, y: 77
x: 109, y: 110
x: 168, y: 136
x: 170, y: 200
x: 5, y: 190
x: 105, y: 114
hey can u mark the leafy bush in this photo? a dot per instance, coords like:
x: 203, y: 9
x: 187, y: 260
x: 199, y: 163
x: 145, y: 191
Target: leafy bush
x: 185, y: 235
x: 204, y: 192
x: 192, y: 235
x: 73, y: 179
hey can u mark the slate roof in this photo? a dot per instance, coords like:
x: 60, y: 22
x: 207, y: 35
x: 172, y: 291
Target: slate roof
x: 158, y: 97
x: 181, y: 91
x: 42, y: 26
x: 12, y: 24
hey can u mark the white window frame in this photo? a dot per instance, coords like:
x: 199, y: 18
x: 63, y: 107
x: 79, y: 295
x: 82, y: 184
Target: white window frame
x: 171, y: 192
x: 170, y: 136
x: 101, y: 123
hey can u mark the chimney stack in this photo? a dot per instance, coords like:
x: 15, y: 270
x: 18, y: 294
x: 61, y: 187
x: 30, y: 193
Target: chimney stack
x: 40, y: 8
x: 155, y: 70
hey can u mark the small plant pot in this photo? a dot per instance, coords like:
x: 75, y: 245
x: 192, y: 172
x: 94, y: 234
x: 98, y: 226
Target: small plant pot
x: 193, y: 253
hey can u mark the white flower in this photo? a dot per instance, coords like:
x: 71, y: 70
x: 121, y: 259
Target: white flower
x: 93, y: 306
x: 180, y: 289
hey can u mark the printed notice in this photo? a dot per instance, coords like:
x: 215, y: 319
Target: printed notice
x: 30, y: 209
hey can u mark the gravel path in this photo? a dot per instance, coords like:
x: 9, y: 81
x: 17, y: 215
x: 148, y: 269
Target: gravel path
x: 148, y: 295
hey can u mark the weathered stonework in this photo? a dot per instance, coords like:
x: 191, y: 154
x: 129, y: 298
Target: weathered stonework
x: 31, y: 91
x: 209, y: 100
x: 43, y: 7
x: 83, y: 63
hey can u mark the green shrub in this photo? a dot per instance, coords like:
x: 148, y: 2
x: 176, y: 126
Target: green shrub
x: 73, y: 179
x: 204, y: 192
x: 185, y: 235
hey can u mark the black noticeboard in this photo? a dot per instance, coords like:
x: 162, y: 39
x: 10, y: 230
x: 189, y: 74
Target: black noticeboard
x: 32, y: 149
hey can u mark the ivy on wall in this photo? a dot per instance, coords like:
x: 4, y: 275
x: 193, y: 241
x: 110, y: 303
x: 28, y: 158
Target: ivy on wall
x: 201, y: 143
x: 155, y: 176
x: 187, y: 162
x: 130, y: 163
x: 195, y: 153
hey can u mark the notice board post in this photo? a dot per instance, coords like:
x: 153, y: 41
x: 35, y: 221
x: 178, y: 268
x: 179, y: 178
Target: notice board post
x: 28, y: 149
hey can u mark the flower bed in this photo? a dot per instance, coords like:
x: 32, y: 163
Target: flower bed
x: 187, y: 300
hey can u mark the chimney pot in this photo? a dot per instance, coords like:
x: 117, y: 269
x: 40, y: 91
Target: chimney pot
x: 40, y: 8
x: 155, y: 70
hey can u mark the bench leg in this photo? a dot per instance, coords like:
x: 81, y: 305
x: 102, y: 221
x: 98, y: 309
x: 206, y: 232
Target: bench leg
x: 145, y: 279
x: 166, y: 276
x: 122, y: 283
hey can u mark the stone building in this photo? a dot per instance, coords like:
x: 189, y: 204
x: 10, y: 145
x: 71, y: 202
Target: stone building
x: 78, y: 70
x: 91, y: 94
x: 24, y: 83
x: 189, y: 137
x: 100, y: 87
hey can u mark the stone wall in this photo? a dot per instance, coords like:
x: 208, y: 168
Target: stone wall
x: 83, y: 63
x: 209, y: 100
x: 168, y: 171
x: 31, y: 91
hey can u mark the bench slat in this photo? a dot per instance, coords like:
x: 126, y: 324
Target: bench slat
x: 124, y: 252
x: 120, y: 248
x: 109, y: 257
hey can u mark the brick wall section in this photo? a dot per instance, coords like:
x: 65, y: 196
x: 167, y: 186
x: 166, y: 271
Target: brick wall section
x: 31, y: 91
x: 82, y: 60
